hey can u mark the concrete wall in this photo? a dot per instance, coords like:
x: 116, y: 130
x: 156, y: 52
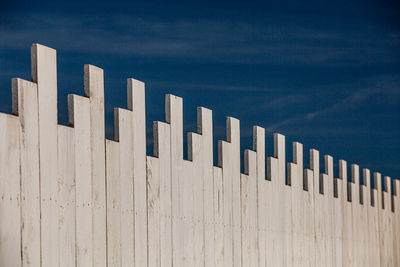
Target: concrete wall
x: 71, y: 198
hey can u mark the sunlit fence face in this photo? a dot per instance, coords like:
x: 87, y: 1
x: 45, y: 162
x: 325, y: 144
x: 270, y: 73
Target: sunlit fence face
x: 69, y: 197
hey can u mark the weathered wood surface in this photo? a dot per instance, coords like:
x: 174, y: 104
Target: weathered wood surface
x: 69, y: 197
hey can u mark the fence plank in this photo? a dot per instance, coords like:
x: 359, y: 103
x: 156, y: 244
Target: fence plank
x: 79, y: 117
x: 154, y: 216
x: 66, y: 196
x: 44, y: 73
x: 94, y: 89
x: 174, y: 116
x: 136, y: 103
x: 218, y: 216
x: 113, y: 203
x: 123, y: 120
x: 205, y: 128
x: 25, y: 104
x: 10, y: 191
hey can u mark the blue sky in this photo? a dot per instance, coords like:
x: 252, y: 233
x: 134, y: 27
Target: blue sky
x: 324, y: 73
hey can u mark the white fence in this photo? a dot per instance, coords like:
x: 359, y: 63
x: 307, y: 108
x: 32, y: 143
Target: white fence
x: 69, y: 197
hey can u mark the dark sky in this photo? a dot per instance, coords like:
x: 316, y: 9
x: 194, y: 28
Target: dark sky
x: 324, y: 73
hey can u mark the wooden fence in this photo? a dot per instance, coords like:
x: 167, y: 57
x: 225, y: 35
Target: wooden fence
x: 69, y: 197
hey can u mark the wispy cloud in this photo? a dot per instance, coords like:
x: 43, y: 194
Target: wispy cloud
x: 386, y: 85
x: 210, y: 40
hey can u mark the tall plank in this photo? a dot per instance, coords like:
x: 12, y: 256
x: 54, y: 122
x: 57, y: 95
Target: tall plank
x: 363, y: 223
x: 153, y: 190
x: 259, y: 147
x: 310, y: 221
x: 44, y: 73
x: 233, y: 137
x: 25, y: 105
x: 373, y: 225
x: 79, y: 117
x: 136, y: 103
x: 113, y: 204
x: 163, y: 149
x: 123, y: 127
x: 218, y: 216
x: 297, y: 215
x: 328, y: 198
x: 66, y: 196
x: 205, y: 128
x: 195, y: 154
x: 274, y: 246
x: 94, y: 89
x: 355, y: 207
x: 187, y: 221
x: 347, y: 217
x: 249, y: 210
x: 10, y: 191
x: 159, y: 198
x: 299, y: 212
x: 229, y: 160
x: 319, y: 180
x: 338, y: 222
x: 174, y: 116
x: 369, y: 250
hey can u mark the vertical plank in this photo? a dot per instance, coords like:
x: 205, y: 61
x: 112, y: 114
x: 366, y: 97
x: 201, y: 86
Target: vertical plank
x: 25, y: 104
x: 355, y: 207
x: 195, y: 154
x: 225, y: 162
x: 66, y: 196
x: 275, y: 240
x: 328, y: 199
x: 246, y: 210
x: 163, y: 142
x: 123, y: 133
x: 318, y: 179
x: 363, y: 220
x: 310, y: 220
x: 259, y: 147
x: 299, y: 212
x: 252, y: 172
x: 373, y: 218
x: 249, y: 211
x: 218, y: 217
x: 321, y: 222
x: 136, y: 103
x: 44, y: 73
x: 205, y: 128
x: 187, y: 214
x: 285, y: 198
x: 386, y: 228
x: 281, y: 206
x: 296, y: 214
x: 368, y: 221
x: 174, y: 116
x: 10, y: 191
x: 113, y: 203
x: 154, y: 218
x: 229, y: 160
x: 338, y: 222
x: 379, y: 202
x: 347, y: 218
x: 79, y: 117
x: 233, y: 137
x: 94, y: 89
x: 159, y: 198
